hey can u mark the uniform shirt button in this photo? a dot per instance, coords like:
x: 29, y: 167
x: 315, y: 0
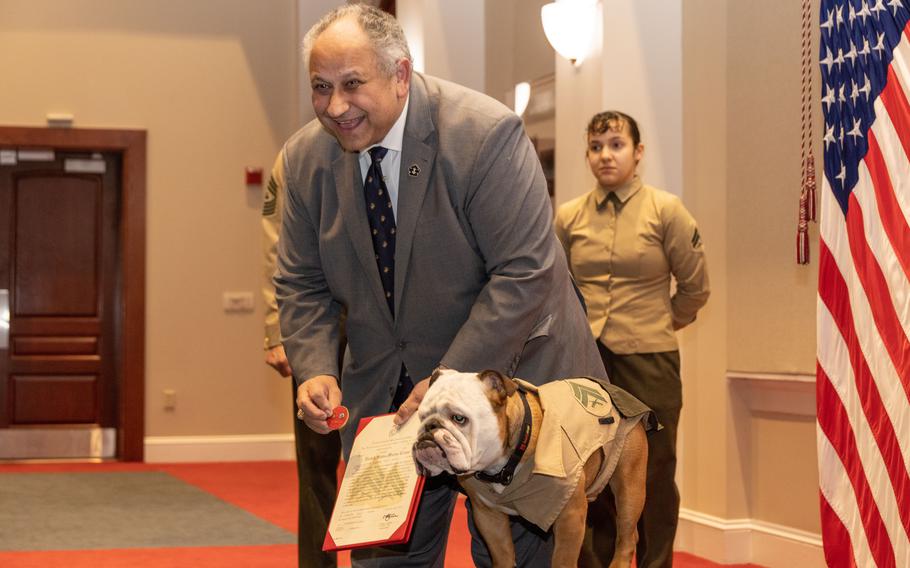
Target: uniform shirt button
x: 401, y: 345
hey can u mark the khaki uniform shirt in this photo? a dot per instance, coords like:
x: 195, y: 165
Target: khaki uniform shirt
x: 272, y: 204
x: 622, y: 249
x: 570, y: 433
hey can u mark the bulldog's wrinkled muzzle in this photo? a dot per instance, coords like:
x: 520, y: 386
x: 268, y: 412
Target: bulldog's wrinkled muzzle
x: 431, y: 449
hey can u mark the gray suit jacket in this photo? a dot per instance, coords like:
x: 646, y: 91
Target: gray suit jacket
x: 481, y: 282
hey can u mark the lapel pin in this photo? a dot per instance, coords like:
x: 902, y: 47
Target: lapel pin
x: 414, y: 171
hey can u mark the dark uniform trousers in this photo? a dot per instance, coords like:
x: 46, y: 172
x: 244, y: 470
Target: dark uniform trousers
x: 429, y: 537
x: 317, y: 477
x: 654, y: 379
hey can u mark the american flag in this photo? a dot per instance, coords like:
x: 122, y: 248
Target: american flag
x: 863, y: 365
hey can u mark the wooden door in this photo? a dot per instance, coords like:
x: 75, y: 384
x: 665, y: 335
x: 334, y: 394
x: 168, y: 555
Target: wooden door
x: 64, y: 386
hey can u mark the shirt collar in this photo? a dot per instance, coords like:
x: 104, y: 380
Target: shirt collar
x: 623, y: 193
x: 394, y: 139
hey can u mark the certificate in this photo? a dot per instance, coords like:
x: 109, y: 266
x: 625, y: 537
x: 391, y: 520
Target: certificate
x: 378, y: 497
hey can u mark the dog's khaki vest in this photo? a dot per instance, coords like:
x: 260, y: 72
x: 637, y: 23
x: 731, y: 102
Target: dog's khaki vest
x: 572, y: 430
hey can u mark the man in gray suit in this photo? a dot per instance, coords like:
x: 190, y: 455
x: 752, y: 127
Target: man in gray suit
x: 420, y: 208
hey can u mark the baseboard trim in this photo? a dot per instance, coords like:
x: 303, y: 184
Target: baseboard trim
x: 257, y: 447
x: 739, y: 541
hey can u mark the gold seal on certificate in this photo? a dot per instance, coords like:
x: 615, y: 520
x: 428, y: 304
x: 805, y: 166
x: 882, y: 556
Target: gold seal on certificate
x: 380, y: 490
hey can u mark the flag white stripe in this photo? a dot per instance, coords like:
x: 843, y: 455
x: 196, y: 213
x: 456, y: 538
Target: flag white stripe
x: 896, y: 160
x: 893, y: 150
x: 837, y: 491
x: 876, y: 237
x: 884, y: 374
x: 835, y: 361
x: 902, y: 71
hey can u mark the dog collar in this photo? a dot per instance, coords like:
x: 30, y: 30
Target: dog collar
x: 504, y: 476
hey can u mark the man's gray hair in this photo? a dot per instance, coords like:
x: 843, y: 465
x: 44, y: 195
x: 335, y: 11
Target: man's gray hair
x: 384, y: 32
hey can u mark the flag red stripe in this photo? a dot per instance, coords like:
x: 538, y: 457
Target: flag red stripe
x: 873, y: 280
x: 838, y: 549
x: 889, y: 210
x: 895, y: 101
x: 832, y: 290
x: 835, y: 423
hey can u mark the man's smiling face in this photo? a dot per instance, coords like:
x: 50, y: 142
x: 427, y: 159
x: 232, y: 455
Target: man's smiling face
x: 352, y: 96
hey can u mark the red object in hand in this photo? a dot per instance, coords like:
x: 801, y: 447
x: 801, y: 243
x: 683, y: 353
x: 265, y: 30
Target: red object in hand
x: 338, y: 418
x: 254, y: 176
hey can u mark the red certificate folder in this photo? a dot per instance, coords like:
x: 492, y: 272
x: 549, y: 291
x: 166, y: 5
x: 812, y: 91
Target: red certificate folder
x: 367, y: 450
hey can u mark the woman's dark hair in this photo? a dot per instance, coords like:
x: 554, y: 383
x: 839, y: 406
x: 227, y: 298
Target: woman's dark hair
x: 613, y: 120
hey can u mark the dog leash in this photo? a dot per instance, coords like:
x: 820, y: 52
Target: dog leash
x: 504, y: 477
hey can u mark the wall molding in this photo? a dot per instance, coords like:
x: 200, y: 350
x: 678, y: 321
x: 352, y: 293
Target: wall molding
x: 254, y: 447
x: 769, y: 378
x: 775, y: 392
x: 739, y: 541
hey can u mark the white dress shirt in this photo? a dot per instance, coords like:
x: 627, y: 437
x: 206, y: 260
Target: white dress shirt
x: 391, y: 163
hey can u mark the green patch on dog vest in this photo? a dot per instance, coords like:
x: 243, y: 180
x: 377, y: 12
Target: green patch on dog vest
x: 591, y: 398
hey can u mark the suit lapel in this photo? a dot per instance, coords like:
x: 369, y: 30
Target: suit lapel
x: 417, y: 159
x: 349, y: 186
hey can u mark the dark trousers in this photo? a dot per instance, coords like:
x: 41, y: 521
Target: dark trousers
x: 654, y: 379
x: 533, y: 547
x: 317, y: 484
x: 429, y: 536
x: 427, y: 546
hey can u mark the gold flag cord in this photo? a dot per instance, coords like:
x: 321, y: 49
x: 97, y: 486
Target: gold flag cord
x: 807, y: 187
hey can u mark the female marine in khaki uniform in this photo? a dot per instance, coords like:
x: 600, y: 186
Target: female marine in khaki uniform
x: 625, y: 241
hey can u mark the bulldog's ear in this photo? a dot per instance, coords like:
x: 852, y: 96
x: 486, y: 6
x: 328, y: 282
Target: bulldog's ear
x: 503, y: 386
x: 436, y: 372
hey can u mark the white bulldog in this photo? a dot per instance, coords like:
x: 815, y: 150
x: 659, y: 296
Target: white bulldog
x: 538, y: 452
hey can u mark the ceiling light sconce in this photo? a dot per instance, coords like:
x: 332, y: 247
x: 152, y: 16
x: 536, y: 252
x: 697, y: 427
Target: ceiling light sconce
x: 569, y: 27
x: 522, y: 97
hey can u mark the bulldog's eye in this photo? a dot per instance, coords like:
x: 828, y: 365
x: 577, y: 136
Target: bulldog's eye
x: 459, y: 419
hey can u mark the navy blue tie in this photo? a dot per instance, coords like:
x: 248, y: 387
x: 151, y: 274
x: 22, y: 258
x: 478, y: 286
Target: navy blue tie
x: 382, y: 224
x: 382, y: 231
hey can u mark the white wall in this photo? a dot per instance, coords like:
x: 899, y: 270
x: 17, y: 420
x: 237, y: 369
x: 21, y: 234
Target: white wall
x: 642, y: 76
x: 447, y: 39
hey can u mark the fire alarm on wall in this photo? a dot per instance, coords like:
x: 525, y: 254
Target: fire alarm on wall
x: 254, y: 176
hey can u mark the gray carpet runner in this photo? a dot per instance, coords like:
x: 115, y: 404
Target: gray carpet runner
x: 70, y: 511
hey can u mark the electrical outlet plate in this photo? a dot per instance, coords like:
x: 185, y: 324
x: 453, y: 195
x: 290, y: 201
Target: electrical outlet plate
x: 170, y: 399
x: 235, y: 302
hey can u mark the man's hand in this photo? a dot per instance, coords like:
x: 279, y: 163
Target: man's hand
x: 276, y: 358
x: 316, y: 398
x: 409, y: 406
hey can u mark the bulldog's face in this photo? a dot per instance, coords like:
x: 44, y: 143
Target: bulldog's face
x: 463, y: 427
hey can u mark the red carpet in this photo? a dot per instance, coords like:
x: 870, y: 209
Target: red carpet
x: 265, y: 489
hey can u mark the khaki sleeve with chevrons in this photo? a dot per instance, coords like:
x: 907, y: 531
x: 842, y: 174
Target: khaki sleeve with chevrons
x: 272, y: 205
x: 686, y: 255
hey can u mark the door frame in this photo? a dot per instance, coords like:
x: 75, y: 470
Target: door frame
x: 131, y: 144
